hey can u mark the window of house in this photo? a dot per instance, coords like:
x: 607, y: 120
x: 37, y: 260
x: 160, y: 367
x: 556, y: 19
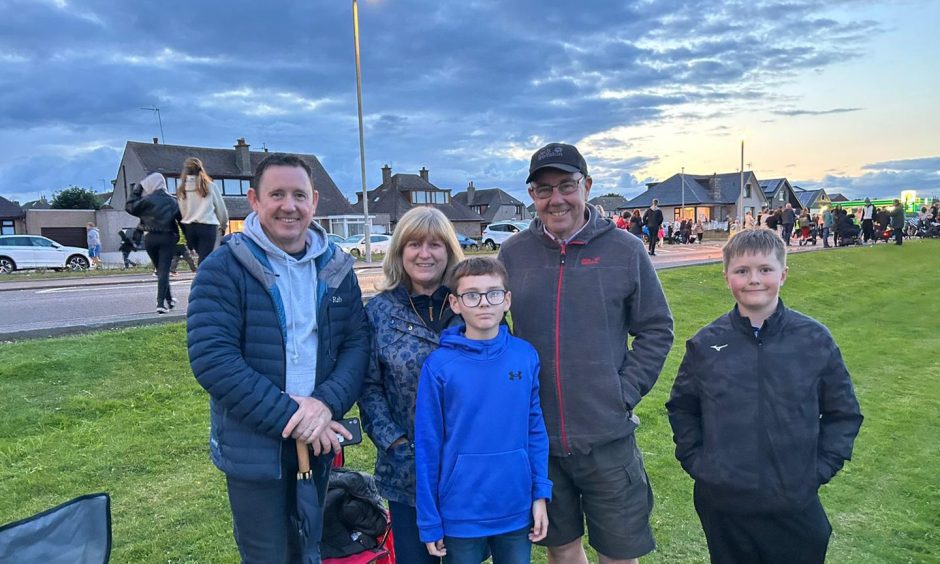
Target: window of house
x: 232, y: 186
x: 171, y: 184
x: 6, y: 227
x: 747, y: 190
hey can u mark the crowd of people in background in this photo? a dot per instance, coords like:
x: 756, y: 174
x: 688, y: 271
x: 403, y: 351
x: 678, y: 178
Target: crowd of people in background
x: 866, y: 224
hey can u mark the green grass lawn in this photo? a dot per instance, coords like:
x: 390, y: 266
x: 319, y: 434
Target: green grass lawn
x: 119, y: 411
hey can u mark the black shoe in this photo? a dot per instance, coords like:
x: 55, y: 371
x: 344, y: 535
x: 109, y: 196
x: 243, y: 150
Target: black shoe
x: 172, y: 302
x: 161, y: 310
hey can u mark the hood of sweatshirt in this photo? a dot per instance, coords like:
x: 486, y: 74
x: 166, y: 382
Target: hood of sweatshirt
x: 296, y: 281
x: 456, y: 338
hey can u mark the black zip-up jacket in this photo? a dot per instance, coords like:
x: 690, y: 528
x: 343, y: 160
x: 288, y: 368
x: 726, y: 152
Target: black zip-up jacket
x: 158, y: 212
x: 760, y: 422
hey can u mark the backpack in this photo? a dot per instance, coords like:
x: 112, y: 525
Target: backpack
x: 354, y: 519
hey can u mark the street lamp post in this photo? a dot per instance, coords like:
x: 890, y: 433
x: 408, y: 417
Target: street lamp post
x: 682, y: 213
x: 362, y: 145
x: 741, y: 196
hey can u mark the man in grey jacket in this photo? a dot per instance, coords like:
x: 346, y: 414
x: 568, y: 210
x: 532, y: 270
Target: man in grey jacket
x: 580, y: 289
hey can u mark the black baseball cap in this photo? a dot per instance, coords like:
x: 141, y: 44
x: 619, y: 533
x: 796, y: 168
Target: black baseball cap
x: 557, y: 155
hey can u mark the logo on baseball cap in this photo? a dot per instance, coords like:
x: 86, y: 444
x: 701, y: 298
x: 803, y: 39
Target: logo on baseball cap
x: 557, y: 155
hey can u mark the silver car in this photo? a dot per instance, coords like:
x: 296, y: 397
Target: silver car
x: 24, y: 252
x: 496, y: 233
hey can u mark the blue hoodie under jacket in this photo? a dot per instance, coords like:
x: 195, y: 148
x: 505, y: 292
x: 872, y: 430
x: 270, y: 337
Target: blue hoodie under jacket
x: 480, y: 444
x: 236, y: 329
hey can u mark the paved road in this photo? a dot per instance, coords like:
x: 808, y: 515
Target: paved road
x: 43, y: 308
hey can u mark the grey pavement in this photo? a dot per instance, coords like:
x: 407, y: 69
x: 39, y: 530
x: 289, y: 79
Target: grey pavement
x: 79, y: 316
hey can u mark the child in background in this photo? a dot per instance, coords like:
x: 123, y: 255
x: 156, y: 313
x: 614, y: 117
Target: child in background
x: 763, y: 413
x: 481, y: 448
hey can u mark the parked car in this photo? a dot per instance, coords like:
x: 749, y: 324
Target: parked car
x: 334, y: 238
x: 467, y: 244
x: 349, y: 243
x: 356, y: 246
x: 496, y: 233
x: 24, y: 252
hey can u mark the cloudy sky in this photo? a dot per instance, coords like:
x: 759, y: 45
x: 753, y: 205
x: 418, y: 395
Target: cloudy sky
x: 834, y: 93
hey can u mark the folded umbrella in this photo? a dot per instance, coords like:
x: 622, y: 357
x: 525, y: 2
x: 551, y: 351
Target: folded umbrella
x: 311, y: 495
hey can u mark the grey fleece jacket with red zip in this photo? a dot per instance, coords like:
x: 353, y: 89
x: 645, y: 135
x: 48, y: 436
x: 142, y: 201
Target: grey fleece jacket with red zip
x: 577, y: 303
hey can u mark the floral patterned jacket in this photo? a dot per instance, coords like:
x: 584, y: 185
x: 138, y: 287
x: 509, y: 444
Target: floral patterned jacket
x: 400, y: 344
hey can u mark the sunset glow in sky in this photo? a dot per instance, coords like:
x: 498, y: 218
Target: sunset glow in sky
x: 833, y: 94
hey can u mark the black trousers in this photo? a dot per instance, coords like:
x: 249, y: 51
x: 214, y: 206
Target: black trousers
x: 161, y: 246
x: 868, y: 229
x: 654, y: 237
x: 799, y: 537
x: 201, y: 237
x: 898, y: 235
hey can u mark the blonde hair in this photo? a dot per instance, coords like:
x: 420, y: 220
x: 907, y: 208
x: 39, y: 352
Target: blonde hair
x: 755, y: 242
x: 416, y: 225
x: 193, y: 167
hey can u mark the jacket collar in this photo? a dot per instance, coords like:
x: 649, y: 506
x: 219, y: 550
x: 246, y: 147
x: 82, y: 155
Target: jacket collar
x: 772, y: 325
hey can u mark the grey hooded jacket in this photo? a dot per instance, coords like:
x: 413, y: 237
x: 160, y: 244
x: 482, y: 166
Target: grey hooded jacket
x: 578, y: 303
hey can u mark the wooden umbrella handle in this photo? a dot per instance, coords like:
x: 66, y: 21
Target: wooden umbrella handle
x: 303, y: 457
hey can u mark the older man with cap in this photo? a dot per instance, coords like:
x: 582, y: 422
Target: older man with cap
x: 580, y: 289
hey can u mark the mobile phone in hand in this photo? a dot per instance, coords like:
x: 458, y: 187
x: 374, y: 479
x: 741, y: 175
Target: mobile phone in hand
x: 354, y: 427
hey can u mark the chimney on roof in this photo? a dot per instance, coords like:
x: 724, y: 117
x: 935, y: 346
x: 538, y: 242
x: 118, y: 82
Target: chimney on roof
x: 156, y: 140
x: 713, y: 189
x: 242, y: 156
x: 386, y: 174
x: 424, y: 174
x: 470, y: 192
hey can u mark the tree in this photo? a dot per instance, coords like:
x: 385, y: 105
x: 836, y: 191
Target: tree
x: 75, y: 198
x: 611, y: 195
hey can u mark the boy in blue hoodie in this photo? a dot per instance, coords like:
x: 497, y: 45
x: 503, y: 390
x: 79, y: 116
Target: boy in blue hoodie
x: 481, y: 448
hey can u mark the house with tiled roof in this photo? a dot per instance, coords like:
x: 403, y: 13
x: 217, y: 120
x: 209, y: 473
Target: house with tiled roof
x: 813, y: 200
x: 41, y: 204
x: 232, y: 171
x: 612, y: 205
x: 837, y: 197
x: 779, y: 193
x: 11, y: 217
x: 706, y: 197
x: 493, y: 204
x: 399, y: 192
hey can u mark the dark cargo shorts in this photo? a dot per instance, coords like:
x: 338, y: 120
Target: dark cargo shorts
x: 610, y: 489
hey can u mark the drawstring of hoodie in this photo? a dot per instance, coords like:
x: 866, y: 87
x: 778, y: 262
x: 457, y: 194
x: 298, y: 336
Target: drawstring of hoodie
x: 295, y: 356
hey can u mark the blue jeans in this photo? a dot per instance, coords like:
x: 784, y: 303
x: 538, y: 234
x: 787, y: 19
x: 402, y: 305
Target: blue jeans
x: 507, y: 548
x: 825, y: 236
x: 408, y: 546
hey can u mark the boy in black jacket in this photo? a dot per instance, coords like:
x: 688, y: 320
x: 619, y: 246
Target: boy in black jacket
x: 763, y: 412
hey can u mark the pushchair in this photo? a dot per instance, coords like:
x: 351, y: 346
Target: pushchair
x: 848, y: 237
x: 809, y: 236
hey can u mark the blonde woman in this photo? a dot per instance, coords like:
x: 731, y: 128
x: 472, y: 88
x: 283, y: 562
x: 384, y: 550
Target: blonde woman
x: 407, y: 318
x: 204, y: 213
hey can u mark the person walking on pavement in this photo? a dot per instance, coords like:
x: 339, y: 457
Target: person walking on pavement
x: 868, y: 221
x: 182, y: 252
x: 202, y: 207
x: 827, y: 224
x: 653, y: 219
x: 592, y: 375
x: 636, y: 224
x: 897, y: 222
x: 127, y: 246
x: 787, y: 219
x: 93, y: 238
x: 159, y: 215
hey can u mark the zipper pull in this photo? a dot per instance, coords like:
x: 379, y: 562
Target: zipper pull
x: 563, y: 254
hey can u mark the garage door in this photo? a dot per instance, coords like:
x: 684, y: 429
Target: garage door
x: 68, y: 236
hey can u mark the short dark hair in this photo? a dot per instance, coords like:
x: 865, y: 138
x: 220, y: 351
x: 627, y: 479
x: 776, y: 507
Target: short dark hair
x: 477, y: 266
x: 755, y: 242
x: 280, y: 159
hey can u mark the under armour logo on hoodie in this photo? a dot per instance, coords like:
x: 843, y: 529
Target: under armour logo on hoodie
x: 515, y: 375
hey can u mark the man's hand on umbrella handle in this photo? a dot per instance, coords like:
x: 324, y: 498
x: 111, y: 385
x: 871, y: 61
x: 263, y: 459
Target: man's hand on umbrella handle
x: 328, y: 441
x: 436, y: 548
x: 310, y: 419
